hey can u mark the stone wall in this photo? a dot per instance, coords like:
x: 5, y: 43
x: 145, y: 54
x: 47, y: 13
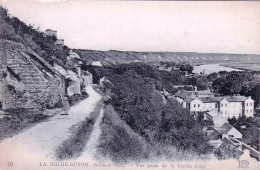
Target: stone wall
x: 42, y: 85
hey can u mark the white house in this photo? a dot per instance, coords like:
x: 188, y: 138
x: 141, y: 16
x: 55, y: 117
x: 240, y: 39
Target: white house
x: 227, y: 106
x: 249, y: 107
x: 230, y: 131
x: 50, y: 32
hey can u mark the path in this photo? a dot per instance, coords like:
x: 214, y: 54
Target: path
x: 90, y: 149
x: 40, y: 141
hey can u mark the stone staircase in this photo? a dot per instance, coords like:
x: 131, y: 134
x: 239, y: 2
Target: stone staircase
x: 43, y: 86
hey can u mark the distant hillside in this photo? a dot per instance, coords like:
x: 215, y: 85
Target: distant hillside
x: 114, y: 57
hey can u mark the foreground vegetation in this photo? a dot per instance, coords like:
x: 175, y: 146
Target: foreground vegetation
x: 136, y: 96
x: 119, y: 143
x: 249, y: 127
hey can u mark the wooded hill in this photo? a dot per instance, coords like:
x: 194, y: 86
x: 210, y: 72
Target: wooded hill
x: 119, y: 57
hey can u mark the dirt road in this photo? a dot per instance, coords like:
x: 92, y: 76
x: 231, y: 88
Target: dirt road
x: 40, y: 141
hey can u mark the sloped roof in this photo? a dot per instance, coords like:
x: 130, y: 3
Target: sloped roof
x: 203, y: 92
x: 227, y: 142
x: 217, y: 99
x: 215, y: 135
x: 235, y: 98
x: 210, y: 99
x: 188, y: 99
x: 219, y: 120
x: 183, y: 94
x: 226, y: 127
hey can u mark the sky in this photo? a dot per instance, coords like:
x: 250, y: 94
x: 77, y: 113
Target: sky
x: 218, y: 27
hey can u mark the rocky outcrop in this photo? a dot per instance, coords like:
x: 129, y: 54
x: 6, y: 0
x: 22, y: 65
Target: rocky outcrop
x: 39, y: 84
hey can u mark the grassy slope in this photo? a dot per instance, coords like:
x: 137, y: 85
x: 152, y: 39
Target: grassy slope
x: 121, y: 144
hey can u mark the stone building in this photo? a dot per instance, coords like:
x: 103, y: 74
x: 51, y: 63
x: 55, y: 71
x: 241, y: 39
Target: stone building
x: 29, y: 81
x: 50, y: 32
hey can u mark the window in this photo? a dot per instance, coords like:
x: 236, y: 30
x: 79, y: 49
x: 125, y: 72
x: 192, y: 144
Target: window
x: 226, y: 105
x: 247, y: 111
x: 194, y: 105
x: 251, y: 111
x: 247, y: 104
x: 251, y: 104
x: 222, y: 105
x: 198, y: 105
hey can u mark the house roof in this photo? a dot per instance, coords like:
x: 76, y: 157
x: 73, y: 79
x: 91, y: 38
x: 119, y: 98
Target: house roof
x: 188, y: 99
x: 214, y: 135
x: 219, y: 120
x: 235, y: 98
x: 227, y: 142
x: 217, y: 99
x: 226, y: 127
x: 209, y: 99
x: 200, y: 92
x: 183, y: 94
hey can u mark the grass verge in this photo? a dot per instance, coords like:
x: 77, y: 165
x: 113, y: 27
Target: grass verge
x: 75, y: 144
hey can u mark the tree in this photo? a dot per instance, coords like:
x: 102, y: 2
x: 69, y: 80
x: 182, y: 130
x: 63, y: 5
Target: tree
x: 186, y: 67
x: 255, y: 94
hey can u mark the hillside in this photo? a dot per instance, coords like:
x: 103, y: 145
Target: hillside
x: 118, y: 57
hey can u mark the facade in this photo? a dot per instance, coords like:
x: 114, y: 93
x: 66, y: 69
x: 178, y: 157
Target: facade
x: 230, y: 131
x: 227, y: 106
x: 50, y: 32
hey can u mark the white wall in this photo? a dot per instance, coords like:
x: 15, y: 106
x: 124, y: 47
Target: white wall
x: 235, y: 109
x: 224, y: 108
x: 209, y: 106
x: 196, y: 106
x: 249, y: 108
x: 235, y: 133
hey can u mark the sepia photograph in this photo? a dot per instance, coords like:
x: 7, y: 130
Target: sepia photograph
x: 171, y: 85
